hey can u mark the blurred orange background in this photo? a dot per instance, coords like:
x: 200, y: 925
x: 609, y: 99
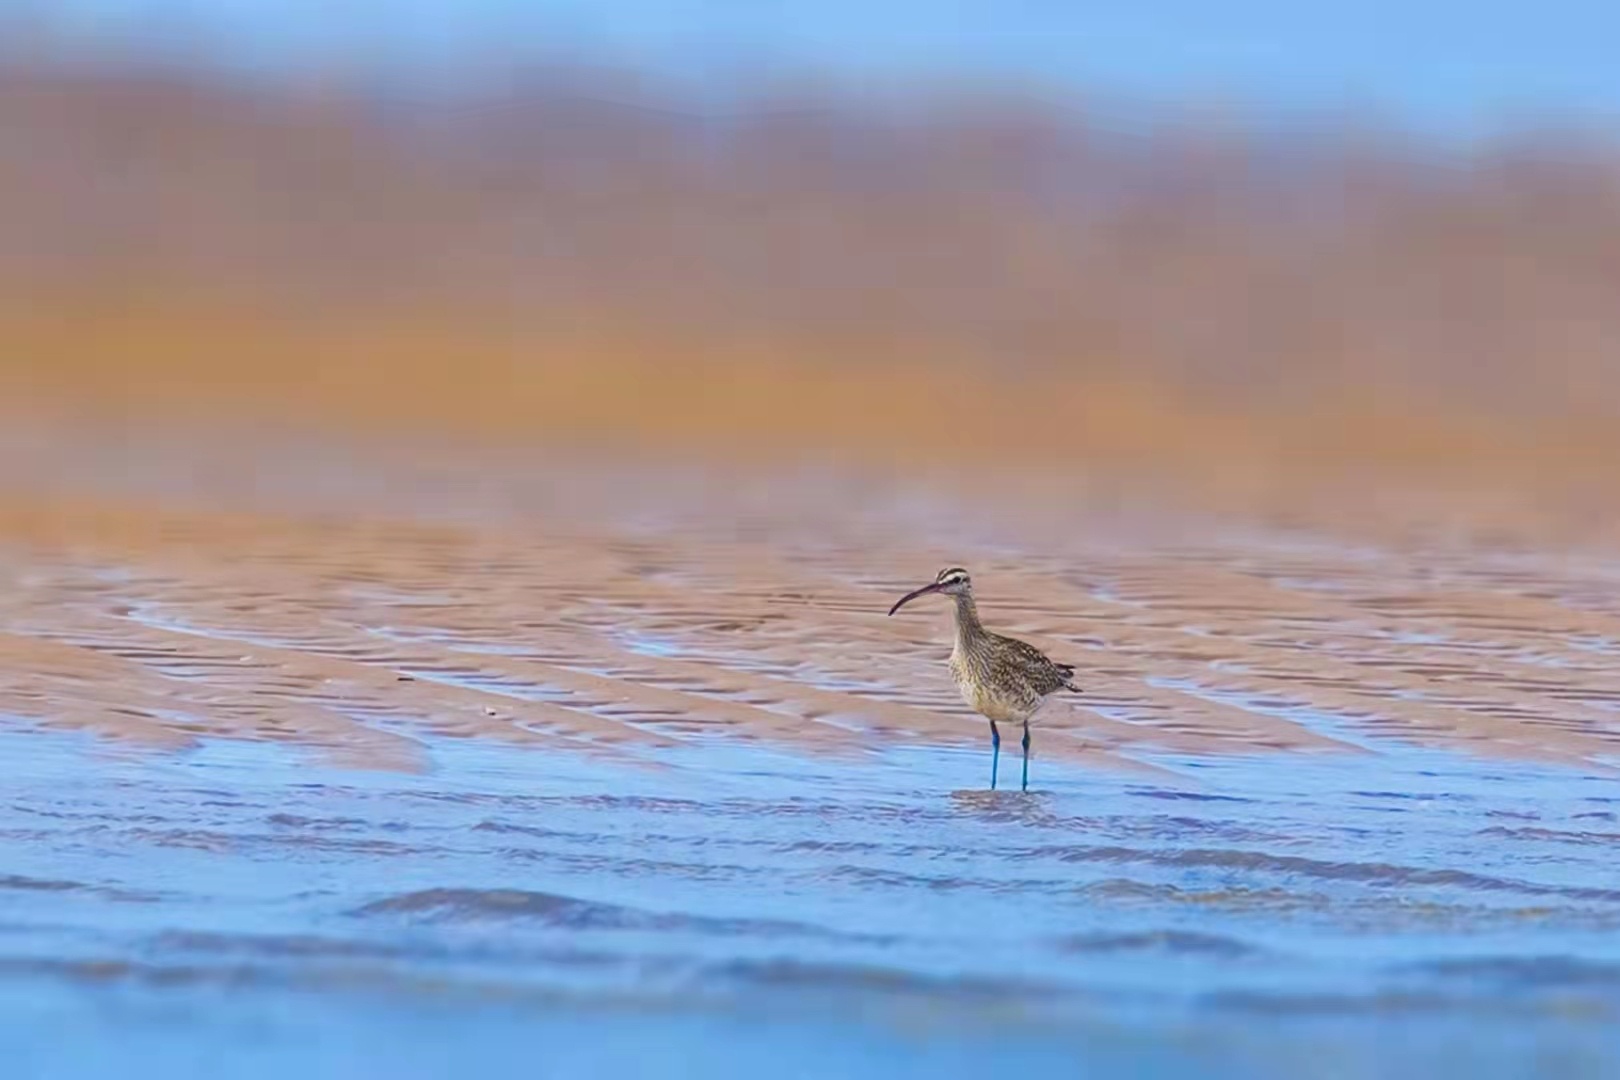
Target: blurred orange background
x: 945, y: 277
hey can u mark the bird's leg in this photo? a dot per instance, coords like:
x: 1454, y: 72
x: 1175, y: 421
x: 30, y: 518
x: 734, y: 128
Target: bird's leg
x: 995, y: 753
x: 1025, y: 786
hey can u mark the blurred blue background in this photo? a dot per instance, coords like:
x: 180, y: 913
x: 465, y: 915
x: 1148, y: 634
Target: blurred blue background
x: 1442, y: 65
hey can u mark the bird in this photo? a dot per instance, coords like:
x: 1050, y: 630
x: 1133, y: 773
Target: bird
x: 1000, y: 678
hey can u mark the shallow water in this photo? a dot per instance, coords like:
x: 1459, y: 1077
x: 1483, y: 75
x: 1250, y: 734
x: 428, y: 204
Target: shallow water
x: 656, y: 788
x: 744, y: 908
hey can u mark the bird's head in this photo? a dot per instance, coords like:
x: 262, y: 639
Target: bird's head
x: 952, y: 581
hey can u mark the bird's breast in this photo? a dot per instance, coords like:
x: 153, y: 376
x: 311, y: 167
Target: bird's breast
x: 982, y: 695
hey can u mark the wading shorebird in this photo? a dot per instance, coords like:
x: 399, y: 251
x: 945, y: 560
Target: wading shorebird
x: 1001, y: 678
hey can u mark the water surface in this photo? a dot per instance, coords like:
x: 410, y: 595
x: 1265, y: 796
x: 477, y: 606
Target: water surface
x: 658, y: 789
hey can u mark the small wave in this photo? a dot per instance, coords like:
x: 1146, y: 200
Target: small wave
x: 521, y: 830
x: 1176, y: 942
x: 786, y: 974
x: 1378, y: 874
x: 1188, y: 796
x: 28, y: 884
x: 311, y: 954
x: 1558, y: 836
x: 552, y: 910
x: 1377, y: 1004
x: 1126, y: 890
x: 222, y: 843
x: 20, y: 883
x: 1528, y: 972
x: 286, y: 946
x: 296, y: 821
x: 831, y: 847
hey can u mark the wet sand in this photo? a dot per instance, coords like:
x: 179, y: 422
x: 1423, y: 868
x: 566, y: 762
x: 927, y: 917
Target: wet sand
x: 352, y: 606
x: 311, y: 738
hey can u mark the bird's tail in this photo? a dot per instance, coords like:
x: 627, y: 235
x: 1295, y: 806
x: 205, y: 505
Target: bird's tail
x: 1071, y: 686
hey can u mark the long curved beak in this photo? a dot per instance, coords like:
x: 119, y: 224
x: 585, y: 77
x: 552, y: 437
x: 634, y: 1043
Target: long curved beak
x: 910, y: 596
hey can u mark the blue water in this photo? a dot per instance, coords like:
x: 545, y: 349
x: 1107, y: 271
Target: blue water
x: 244, y: 910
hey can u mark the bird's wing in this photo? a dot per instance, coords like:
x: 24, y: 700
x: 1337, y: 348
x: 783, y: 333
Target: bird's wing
x: 1045, y: 674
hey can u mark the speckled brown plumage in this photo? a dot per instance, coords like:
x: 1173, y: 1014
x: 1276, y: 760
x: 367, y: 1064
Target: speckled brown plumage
x: 1001, y: 678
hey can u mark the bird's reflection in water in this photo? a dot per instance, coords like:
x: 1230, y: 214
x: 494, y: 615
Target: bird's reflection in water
x: 1034, y: 807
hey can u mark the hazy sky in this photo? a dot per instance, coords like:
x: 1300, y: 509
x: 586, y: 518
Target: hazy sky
x: 1453, y: 63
